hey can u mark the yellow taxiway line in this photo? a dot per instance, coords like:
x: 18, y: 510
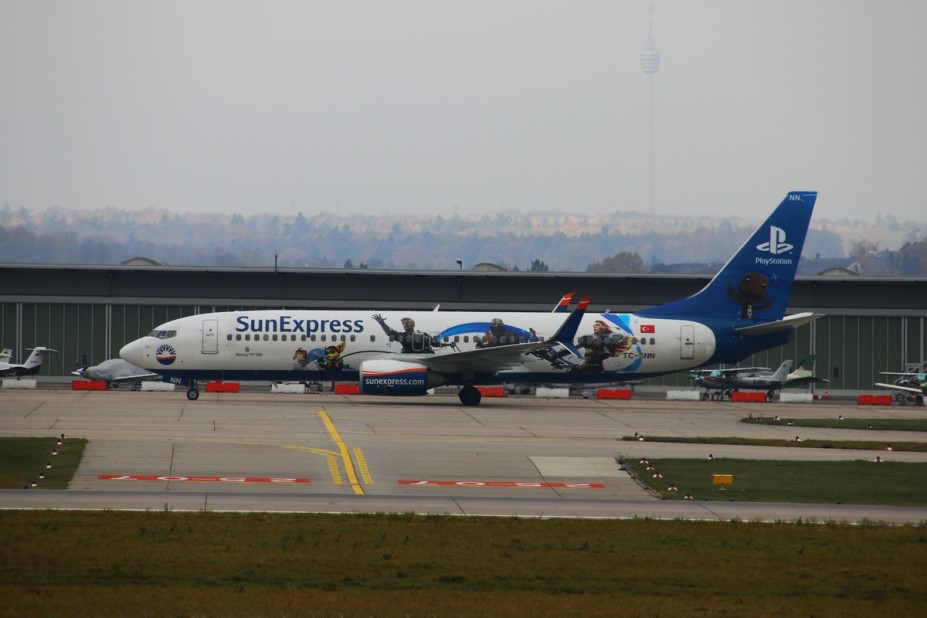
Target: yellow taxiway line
x: 343, y: 450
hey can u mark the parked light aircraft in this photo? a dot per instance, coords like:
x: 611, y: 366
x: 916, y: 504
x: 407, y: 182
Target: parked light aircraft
x: 741, y: 311
x: 910, y: 385
x: 116, y: 371
x: 724, y: 382
x: 6, y: 355
x: 29, y: 368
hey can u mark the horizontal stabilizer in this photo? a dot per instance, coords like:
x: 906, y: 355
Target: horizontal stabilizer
x: 787, y: 323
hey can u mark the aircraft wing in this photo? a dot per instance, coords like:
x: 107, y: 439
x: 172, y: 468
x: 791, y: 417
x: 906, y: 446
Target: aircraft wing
x: 495, y: 358
x: 120, y: 379
x: 787, y: 323
x: 727, y: 373
x: 136, y: 378
x: 480, y: 360
x: 898, y: 387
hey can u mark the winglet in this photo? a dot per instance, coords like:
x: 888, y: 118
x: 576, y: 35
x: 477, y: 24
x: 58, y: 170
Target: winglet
x: 564, y: 305
x: 567, y: 331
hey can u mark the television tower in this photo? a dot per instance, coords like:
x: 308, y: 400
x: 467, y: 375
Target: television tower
x: 650, y: 62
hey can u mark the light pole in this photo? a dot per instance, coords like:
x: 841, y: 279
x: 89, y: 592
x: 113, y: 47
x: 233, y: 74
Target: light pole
x: 650, y: 63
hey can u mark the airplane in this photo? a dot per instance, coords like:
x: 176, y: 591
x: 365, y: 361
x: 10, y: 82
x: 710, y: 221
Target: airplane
x: 910, y: 385
x: 6, y: 355
x: 740, y: 312
x: 29, y: 368
x: 116, y: 371
x: 724, y: 382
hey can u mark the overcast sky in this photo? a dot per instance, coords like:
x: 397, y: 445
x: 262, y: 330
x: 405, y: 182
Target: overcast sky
x: 429, y: 106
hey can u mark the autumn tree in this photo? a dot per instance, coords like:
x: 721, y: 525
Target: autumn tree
x: 624, y: 262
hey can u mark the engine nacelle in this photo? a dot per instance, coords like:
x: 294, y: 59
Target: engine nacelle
x: 395, y: 377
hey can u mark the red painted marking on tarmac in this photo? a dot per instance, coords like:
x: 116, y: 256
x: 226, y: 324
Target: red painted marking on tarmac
x: 504, y: 484
x: 201, y: 479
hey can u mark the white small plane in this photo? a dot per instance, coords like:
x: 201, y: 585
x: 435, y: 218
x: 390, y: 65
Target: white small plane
x: 116, y: 371
x: 29, y: 368
x: 724, y: 382
x: 6, y: 355
x: 909, y: 385
x: 741, y: 311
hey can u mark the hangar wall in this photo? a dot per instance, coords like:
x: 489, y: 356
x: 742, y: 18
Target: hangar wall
x: 88, y: 313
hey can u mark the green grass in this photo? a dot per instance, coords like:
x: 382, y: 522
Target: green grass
x: 209, y: 564
x: 23, y: 460
x: 221, y: 564
x: 878, y: 424
x: 866, y: 445
x: 847, y: 482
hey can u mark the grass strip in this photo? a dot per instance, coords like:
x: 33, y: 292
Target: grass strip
x: 864, y: 445
x: 830, y: 482
x: 877, y: 424
x: 24, y: 461
x: 221, y: 564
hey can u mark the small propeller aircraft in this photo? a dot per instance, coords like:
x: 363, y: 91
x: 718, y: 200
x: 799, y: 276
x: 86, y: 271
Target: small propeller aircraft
x: 722, y: 383
x: 116, y: 371
x: 910, y: 386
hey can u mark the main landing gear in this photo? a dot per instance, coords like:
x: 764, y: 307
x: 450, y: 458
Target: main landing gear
x: 469, y: 395
x: 193, y: 393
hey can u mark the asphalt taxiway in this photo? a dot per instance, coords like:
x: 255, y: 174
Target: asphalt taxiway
x: 520, y: 456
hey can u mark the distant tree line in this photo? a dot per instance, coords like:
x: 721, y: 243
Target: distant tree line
x: 621, y: 242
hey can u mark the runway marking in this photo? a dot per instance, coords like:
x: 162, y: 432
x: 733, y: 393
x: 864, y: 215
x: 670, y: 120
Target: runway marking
x: 362, y: 465
x: 334, y: 470
x: 343, y: 451
x: 505, y: 484
x: 201, y: 479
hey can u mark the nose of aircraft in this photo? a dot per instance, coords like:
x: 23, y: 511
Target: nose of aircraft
x: 132, y: 353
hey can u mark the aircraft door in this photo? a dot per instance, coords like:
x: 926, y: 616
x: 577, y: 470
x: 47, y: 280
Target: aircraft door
x: 687, y: 342
x: 210, y: 336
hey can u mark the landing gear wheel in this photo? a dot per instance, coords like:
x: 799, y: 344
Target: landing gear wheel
x: 193, y: 394
x: 469, y: 396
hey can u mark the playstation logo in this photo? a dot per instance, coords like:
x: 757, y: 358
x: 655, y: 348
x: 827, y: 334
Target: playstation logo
x: 776, y: 244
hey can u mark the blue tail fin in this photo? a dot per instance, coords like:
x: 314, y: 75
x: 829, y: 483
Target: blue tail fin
x: 756, y: 282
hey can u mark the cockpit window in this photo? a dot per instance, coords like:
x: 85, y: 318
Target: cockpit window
x: 163, y: 334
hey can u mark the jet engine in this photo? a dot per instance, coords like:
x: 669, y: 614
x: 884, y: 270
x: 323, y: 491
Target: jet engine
x: 395, y: 377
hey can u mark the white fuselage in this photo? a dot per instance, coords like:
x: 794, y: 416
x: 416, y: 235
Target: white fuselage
x: 308, y: 345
